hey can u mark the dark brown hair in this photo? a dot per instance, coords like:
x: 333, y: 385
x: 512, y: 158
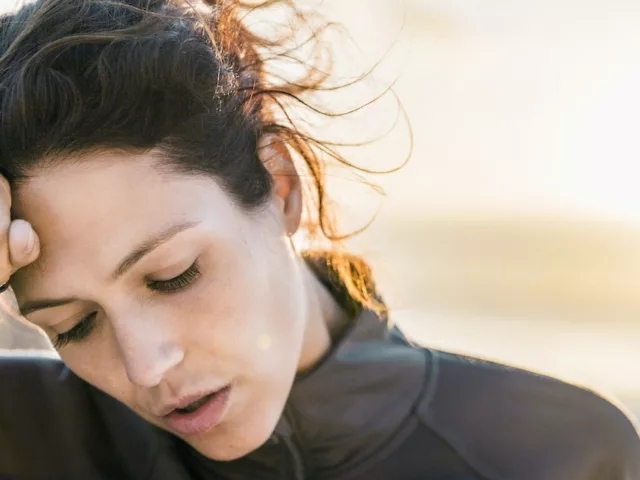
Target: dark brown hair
x: 185, y: 76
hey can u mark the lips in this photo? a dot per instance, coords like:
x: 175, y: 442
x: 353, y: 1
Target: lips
x: 193, y: 416
x: 183, y: 402
x: 193, y: 406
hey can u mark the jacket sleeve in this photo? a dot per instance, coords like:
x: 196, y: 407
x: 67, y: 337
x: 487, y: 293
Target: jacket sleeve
x: 510, y: 424
x: 54, y: 425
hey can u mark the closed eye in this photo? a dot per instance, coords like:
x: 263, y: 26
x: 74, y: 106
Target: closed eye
x: 79, y: 332
x: 84, y: 328
x: 175, y: 284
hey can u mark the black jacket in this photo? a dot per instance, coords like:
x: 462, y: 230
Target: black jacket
x: 376, y: 408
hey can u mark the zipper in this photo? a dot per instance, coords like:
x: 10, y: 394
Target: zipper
x: 295, y: 467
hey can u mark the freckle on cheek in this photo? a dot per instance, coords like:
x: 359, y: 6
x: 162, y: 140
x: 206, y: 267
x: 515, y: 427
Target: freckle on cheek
x: 264, y: 341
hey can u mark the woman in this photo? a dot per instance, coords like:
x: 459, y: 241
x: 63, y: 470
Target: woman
x: 149, y: 201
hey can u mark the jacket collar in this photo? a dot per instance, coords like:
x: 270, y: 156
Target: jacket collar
x: 342, y: 411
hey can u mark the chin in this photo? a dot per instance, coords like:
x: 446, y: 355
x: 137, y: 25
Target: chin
x: 231, y: 442
x: 226, y: 454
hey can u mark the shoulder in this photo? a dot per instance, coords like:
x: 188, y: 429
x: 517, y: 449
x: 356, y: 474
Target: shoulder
x: 24, y: 374
x: 38, y: 381
x: 510, y: 423
x: 49, y: 415
x: 14, y: 361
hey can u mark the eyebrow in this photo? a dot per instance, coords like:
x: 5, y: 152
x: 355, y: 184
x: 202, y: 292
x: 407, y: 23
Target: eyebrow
x: 130, y: 260
x: 32, y: 306
x: 149, y: 246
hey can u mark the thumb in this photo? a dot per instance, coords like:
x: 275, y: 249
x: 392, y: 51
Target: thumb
x: 24, y: 245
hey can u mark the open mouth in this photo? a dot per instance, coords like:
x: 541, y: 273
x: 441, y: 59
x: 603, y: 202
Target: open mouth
x: 192, y: 407
x: 201, y: 415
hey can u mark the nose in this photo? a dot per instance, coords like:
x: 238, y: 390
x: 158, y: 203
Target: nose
x: 147, y: 348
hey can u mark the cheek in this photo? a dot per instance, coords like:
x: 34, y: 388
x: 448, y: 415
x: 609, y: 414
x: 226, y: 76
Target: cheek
x: 251, y: 315
x: 96, y: 361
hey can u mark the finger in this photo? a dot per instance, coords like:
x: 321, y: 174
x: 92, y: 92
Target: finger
x: 5, y: 192
x: 24, y: 245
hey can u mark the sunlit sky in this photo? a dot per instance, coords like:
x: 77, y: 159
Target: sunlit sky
x: 519, y: 105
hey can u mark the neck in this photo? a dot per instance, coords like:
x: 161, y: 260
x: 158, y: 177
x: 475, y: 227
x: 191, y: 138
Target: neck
x: 326, y: 317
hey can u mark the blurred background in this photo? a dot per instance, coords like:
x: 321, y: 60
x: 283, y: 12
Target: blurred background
x: 513, y: 233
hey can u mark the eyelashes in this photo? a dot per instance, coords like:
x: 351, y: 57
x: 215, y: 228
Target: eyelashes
x: 84, y: 328
x: 81, y: 330
x: 178, y: 283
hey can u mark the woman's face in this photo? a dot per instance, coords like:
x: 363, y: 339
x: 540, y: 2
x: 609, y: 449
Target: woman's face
x: 160, y: 289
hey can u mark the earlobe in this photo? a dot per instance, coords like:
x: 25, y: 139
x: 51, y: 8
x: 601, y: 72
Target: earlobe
x: 287, y: 189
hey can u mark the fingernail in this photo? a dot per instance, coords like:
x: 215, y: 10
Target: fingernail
x: 31, y: 242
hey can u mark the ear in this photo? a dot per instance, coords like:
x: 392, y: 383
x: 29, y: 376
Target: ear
x: 276, y: 158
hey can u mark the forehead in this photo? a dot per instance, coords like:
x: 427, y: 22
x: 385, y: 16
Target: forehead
x: 101, y: 207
